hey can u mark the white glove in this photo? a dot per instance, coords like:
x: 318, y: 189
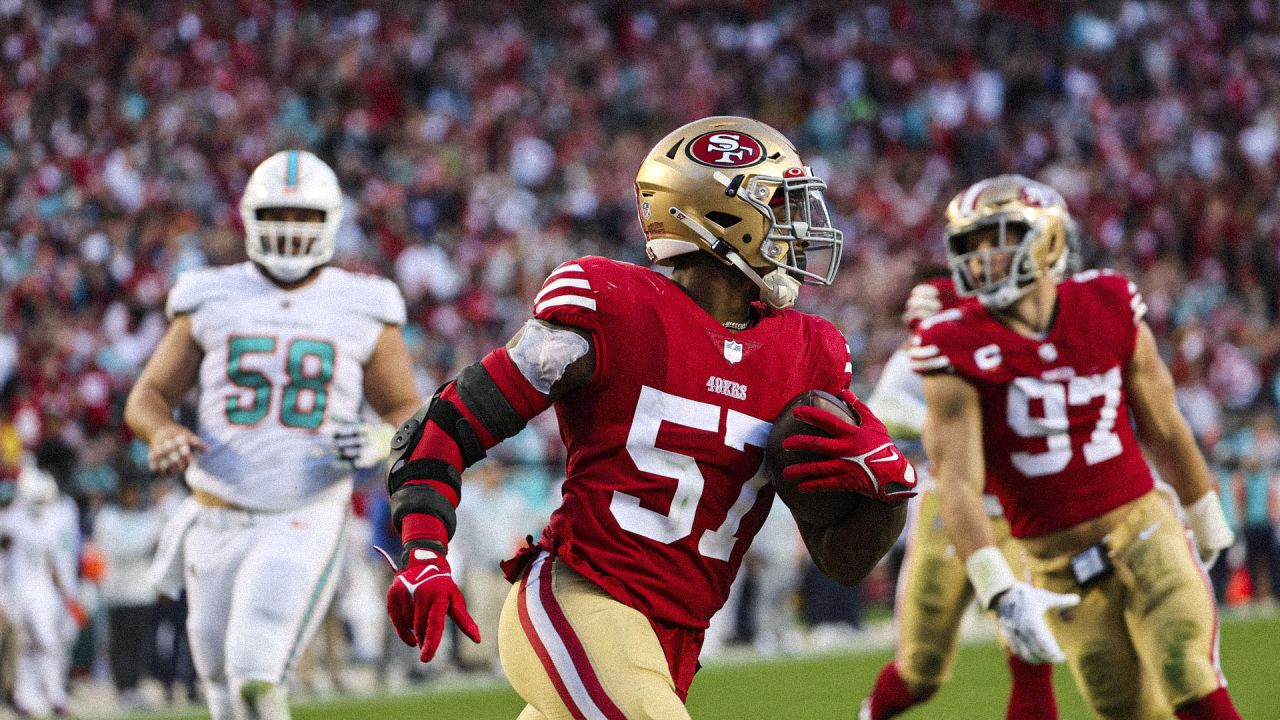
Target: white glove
x: 1209, y: 524
x: 362, y: 444
x: 1020, y: 611
x: 922, y: 304
x: 1019, y: 607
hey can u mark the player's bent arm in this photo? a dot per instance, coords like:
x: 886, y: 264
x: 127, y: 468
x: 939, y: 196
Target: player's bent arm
x: 1171, y: 447
x: 844, y: 560
x: 487, y: 402
x: 388, y: 378
x: 953, y: 441
x: 166, y: 379
x: 1163, y: 431
x: 168, y: 376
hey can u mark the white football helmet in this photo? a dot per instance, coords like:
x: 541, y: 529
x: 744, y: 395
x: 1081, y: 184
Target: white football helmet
x: 36, y: 488
x: 291, y: 179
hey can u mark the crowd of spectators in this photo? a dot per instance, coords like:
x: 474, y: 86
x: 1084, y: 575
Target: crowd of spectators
x: 480, y: 144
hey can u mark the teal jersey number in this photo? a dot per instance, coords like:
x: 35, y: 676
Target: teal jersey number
x: 306, y: 378
x: 317, y: 383
x: 252, y: 413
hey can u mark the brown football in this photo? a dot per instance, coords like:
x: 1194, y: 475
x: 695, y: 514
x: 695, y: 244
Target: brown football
x: 819, y: 508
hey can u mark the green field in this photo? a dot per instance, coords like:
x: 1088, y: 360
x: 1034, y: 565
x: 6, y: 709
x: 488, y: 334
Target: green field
x: 833, y: 686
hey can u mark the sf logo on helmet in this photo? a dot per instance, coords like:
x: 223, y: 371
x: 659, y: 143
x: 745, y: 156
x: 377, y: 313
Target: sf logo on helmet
x: 725, y: 149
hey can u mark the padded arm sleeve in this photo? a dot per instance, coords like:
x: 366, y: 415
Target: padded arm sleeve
x: 488, y: 402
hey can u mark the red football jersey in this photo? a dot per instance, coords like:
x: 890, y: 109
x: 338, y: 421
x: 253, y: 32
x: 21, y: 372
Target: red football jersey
x: 1056, y: 430
x: 662, y: 495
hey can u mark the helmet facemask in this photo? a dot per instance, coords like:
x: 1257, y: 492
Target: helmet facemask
x: 289, y: 249
x: 799, y: 240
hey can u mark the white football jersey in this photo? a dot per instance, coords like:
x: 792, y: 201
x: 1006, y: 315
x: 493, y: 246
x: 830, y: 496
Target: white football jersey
x: 898, y: 398
x: 279, y: 367
x: 36, y: 550
x: 8, y: 554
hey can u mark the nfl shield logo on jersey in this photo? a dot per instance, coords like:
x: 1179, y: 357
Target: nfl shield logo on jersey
x: 732, y: 351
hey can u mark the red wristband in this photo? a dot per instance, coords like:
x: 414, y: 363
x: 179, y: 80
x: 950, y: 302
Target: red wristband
x: 421, y: 526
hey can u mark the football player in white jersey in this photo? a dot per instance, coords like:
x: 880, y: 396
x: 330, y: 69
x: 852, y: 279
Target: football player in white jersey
x: 284, y: 350
x: 40, y: 573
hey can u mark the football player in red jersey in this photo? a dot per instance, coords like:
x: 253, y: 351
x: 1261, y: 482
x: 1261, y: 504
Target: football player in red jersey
x: 1043, y: 391
x: 933, y: 590
x: 664, y: 388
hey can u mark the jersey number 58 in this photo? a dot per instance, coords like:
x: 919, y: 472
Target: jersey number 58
x: 308, y: 363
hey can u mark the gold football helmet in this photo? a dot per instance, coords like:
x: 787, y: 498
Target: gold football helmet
x: 737, y: 189
x: 1032, y: 238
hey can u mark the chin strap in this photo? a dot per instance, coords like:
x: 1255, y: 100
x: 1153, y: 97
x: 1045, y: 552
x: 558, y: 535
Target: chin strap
x: 777, y: 287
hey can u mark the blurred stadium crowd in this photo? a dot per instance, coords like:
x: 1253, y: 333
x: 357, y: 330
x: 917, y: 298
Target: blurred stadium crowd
x: 481, y: 144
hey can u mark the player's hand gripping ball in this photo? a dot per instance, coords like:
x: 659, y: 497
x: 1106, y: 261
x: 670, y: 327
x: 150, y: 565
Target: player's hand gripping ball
x: 828, y: 454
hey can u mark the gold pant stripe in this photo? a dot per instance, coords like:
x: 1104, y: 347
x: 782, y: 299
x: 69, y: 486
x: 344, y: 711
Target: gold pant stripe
x: 559, y: 648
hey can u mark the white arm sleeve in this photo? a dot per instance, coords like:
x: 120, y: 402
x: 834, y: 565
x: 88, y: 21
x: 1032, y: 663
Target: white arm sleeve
x: 898, y: 398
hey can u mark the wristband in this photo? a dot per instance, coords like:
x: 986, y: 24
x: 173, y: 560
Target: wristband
x: 1208, y: 522
x: 421, y: 526
x: 990, y: 574
x: 407, y: 553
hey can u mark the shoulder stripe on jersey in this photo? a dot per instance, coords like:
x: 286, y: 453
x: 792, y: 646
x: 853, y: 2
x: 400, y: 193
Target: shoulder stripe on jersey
x: 578, y: 300
x: 580, y: 283
x: 932, y: 364
x: 923, y: 352
x: 944, y: 316
x: 572, y: 267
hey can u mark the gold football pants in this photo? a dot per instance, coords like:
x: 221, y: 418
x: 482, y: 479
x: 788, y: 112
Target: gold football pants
x: 1144, y: 639
x: 933, y: 593
x: 573, y: 652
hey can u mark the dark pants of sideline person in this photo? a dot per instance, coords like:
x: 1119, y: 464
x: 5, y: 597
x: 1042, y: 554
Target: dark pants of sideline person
x: 130, y: 634
x: 1261, y: 548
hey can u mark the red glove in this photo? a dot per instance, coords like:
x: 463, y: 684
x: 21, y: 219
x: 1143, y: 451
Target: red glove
x: 859, y: 458
x: 77, y: 612
x: 420, y: 597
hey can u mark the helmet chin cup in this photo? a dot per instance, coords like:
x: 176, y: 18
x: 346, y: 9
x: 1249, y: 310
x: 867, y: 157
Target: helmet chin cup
x: 780, y: 289
x: 1004, y: 296
x: 287, y: 269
